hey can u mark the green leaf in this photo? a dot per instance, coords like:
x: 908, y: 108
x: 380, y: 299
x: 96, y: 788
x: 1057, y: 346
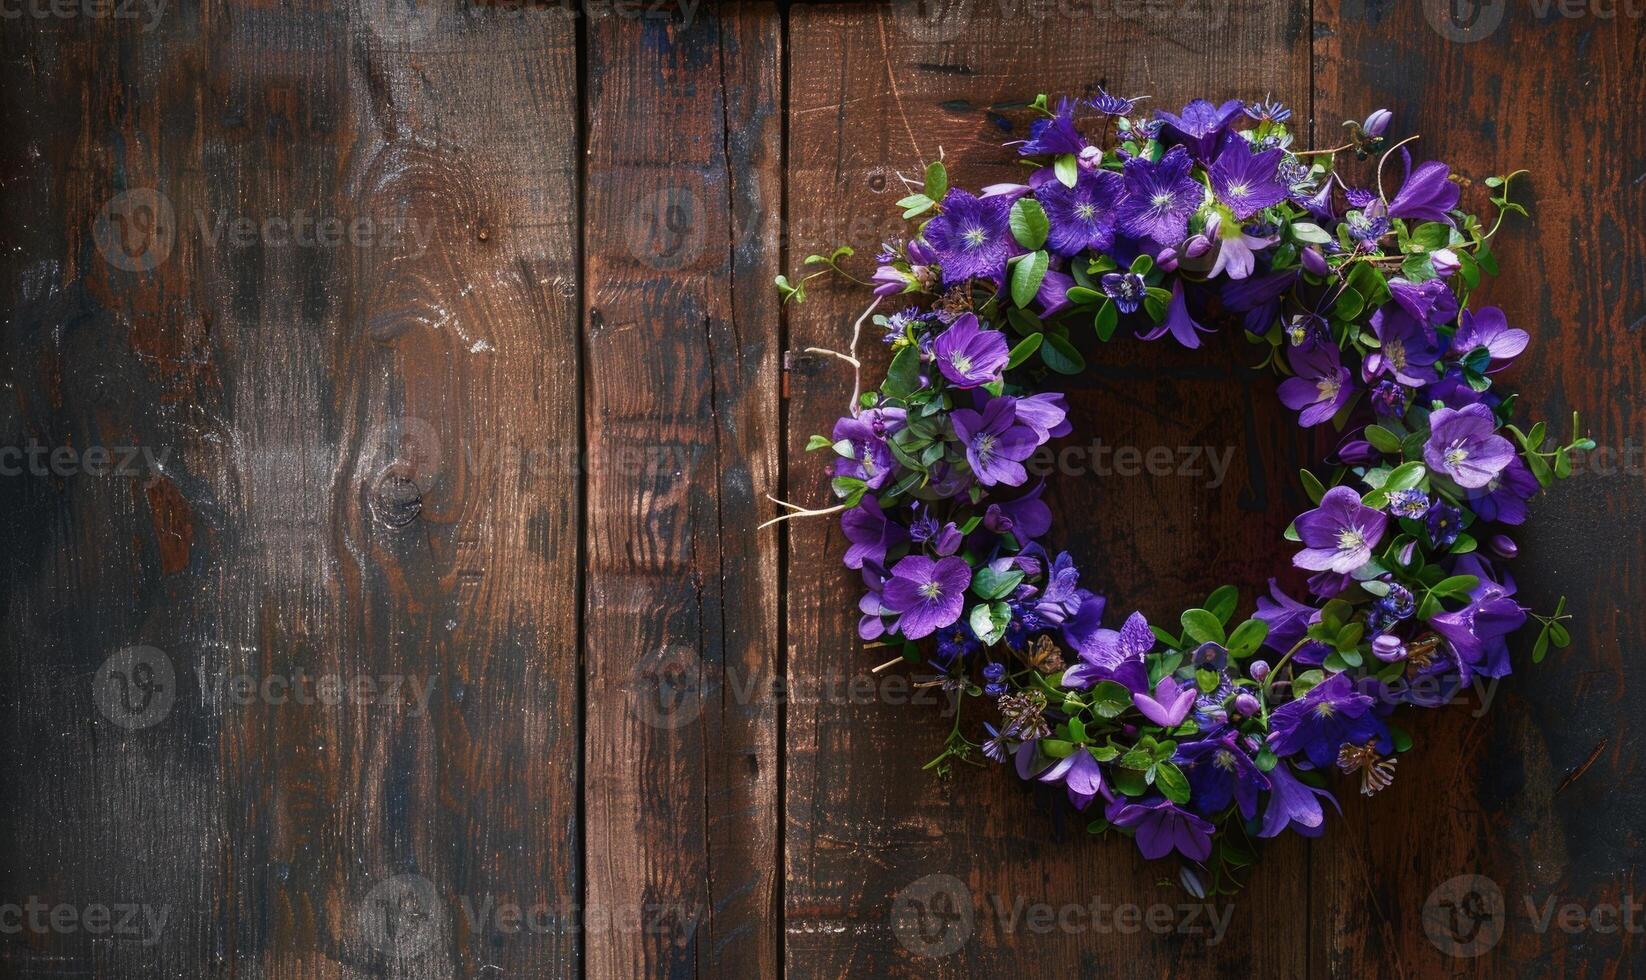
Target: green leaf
x: 1202, y: 626
x: 1383, y: 440
x: 818, y: 442
x: 990, y: 584
x: 1312, y: 486
x: 903, y: 376
x: 1027, y: 274
x: 1540, y: 649
x: 1455, y: 586
x: 989, y: 620
x: 1061, y: 356
x: 1108, y: 317
x: 1067, y: 168
x: 1110, y: 699
x: 1029, y: 224
x: 1221, y: 603
x: 1405, y: 477
x: 1024, y: 350
x: 1247, y: 638
x: 937, y: 180
x: 1169, y: 779
x: 915, y: 205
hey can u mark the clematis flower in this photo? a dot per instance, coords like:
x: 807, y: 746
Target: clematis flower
x: 1082, y: 216
x: 1245, y: 180
x: 927, y: 594
x: 1081, y: 776
x: 996, y: 442
x: 1429, y: 302
x: 1322, y: 385
x: 1478, y: 632
x: 1339, y: 535
x: 1464, y: 445
x: 1320, y: 722
x: 1161, y: 827
x: 1404, y: 352
x: 870, y: 533
x: 1055, y: 134
x: 871, y: 460
x: 1168, y: 704
x: 1487, y: 327
x: 1504, y: 496
x: 1220, y: 769
x: 1199, y: 127
x: 1104, y: 653
x: 1112, y: 105
x: 1293, y: 805
x: 970, y: 356
x: 972, y: 238
x: 1159, y: 198
x: 1426, y: 195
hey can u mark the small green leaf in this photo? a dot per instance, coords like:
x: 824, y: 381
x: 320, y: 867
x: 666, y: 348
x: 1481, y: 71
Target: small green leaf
x: 1169, y: 779
x: 1061, y: 356
x: 1202, y: 626
x: 1221, y: 603
x: 1108, y: 317
x: 1067, y: 168
x: 1027, y: 274
x: 1247, y: 638
x: 1029, y: 224
x: 1383, y: 440
x: 903, y: 376
x: 1024, y: 350
x: 937, y: 180
x: 1312, y: 486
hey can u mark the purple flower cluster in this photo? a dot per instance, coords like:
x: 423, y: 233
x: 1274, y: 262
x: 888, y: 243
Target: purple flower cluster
x: 1174, y: 224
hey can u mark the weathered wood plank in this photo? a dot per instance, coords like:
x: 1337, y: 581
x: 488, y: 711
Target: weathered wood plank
x: 348, y: 409
x: 1529, y: 785
x: 681, y: 210
x: 876, y: 93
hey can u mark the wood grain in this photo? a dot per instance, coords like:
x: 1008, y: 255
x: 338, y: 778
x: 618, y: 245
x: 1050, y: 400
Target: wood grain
x: 681, y: 206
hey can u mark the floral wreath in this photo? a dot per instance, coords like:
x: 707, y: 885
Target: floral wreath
x: 1206, y: 740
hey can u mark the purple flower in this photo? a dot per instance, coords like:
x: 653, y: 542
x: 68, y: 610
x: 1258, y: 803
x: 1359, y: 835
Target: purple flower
x: 929, y: 595
x: 1125, y: 288
x: 1268, y: 111
x: 1045, y: 413
x: 1404, y: 352
x: 1199, y: 126
x: 1321, y: 721
x: 1429, y: 302
x: 1377, y: 123
x: 1054, y: 135
x: 1159, y: 198
x: 1288, y: 621
x: 1504, y: 496
x: 1322, y: 385
x: 1293, y: 804
x: 871, y: 460
x: 1168, y: 704
x: 972, y: 237
x: 1178, y: 322
x: 1366, y: 228
x: 1219, y: 769
x: 1411, y: 504
x: 970, y: 356
x: 870, y: 533
x: 1105, y: 652
x: 1112, y: 105
x: 1339, y: 535
x: 1078, y: 632
x: 1236, y: 251
x: 1426, y: 195
x: 1477, y: 632
x: 1389, y: 399
x: 1444, y: 523
x: 1026, y: 518
x: 1053, y: 295
x: 1487, y: 327
x: 1081, y: 216
x: 1080, y: 774
x: 873, y: 624
x: 996, y: 443
x: 1061, y: 596
x: 1464, y: 445
x: 1162, y: 826
x: 1246, y: 181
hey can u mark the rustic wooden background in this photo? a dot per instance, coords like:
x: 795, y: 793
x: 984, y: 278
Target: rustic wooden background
x: 510, y: 444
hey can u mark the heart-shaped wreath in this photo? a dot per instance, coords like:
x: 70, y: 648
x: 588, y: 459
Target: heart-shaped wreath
x: 1360, y: 297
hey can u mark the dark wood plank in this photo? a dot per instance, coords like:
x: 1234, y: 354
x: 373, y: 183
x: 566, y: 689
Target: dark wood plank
x: 345, y: 494
x: 681, y: 215
x: 1533, y: 789
x: 875, y: 94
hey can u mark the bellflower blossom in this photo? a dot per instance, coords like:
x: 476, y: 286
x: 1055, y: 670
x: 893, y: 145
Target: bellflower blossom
x: 996, y: 442
x: 928, y: 595
x: 1339, y: 535
x: 969, y: 356
x: 1199, y: 127
x: 1083, y: 216
x: 1464, y: 444
x: 1322, y: 385
x: 972, y: 238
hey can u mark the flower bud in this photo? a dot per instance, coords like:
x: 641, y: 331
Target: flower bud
x: 1245, y: 704
x: 949, y: 539
x: 1377, y: 123
x: 1503, y: 546
x: 1259, y: 669
x: 1445, y: 262
x: 1091, y: 158
x: 1166, y: 261
x: 1214, y: 226
x: 1314, y: 262
x: 1197, y: 246
x: 1388, y: 648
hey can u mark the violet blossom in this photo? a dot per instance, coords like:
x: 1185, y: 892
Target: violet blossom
x: 1339, y: 535
x: 1464, y: 445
